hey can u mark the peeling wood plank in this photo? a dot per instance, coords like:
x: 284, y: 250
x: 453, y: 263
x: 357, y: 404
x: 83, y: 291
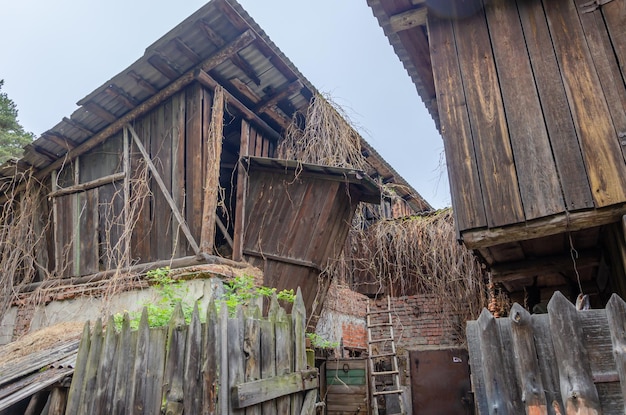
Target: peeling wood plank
x: 255, y: 392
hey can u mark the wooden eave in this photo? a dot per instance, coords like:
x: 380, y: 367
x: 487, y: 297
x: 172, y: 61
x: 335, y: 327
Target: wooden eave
x: 368, y: 190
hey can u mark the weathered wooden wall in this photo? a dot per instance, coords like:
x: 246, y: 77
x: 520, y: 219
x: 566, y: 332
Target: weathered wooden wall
x: 532, y: 104
x: 566, y: 361
x: 90, y: 225
x: 228, y: 365
x: 295, y: 223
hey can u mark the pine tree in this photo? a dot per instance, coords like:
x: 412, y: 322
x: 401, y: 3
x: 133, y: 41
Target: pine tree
x: 12, y: 135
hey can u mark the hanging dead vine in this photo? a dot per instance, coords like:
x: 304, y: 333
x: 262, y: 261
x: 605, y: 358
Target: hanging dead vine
x: 418, y: 255
x: 23, y: 227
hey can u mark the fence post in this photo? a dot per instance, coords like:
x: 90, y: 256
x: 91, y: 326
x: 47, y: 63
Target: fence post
x: 210, y: 356
x: 193, y: 357
x: 616, y: 316
x: 298, y: 317
x: 577, y: 388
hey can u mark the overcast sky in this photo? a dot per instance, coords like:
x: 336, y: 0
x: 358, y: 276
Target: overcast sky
x: 53, y: 53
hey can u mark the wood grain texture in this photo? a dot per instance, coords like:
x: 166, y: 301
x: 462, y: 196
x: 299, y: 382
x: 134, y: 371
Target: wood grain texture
x: 455, y: 128
x: 616, y: 315
x: 534, y: 164
x: 501, y: 195
x: 601, y: 151
x: 556, y: 111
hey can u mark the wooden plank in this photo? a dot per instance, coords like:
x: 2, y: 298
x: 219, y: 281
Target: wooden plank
x: 105, y: 382
x: 298, y: 318
x: 308, y: 406
x: 163, y: 188
x: 210, y: 364
x: 284, y: 355
x: 192, y: 388
x: 526, y: 364
x: 224, y: 390
x: 268, y: 351
x: 409, y: 19
x: 156, y: 365
x: 213, y: 146
x: 496, y: 391
x: 458, y: 142
x: 605, y: 165
x: 547, y: 363
x: 252, y: 350
x: 88, y: 185
x: 496, y: 166
x: 140, y: 238
x: 242, y: 187
x: 614, y: 13
x: 255, y: 392
x: 543, y: 227
x: 74, y: 397
x: 236, y: 358
x: 89, y: 235
x: 91, y: 370
x: 162, y: 155
x: 125, y: 353
x: 534, y: 164
x: 178, y: 167
x: 139, y: 365
x: 605, y: 61
x: 577, y: 389
x: 173, y: 378
x: 616, y: 315
x: 193, y: 160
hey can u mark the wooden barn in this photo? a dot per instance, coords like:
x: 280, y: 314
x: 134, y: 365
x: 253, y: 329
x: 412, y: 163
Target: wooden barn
x: 530, y: 100
x: 174, y: 161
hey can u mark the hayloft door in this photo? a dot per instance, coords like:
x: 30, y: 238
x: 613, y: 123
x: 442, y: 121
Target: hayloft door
x: 440, y: 382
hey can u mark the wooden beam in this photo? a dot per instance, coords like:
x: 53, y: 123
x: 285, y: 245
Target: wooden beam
x: 242, y: 191
x: 257, y: 391
x: 408, y: 19
x: 60, y: 140
x: 165, y: 66
x: 85, y: 131
x: 151, y: 89
x: 186, y: 50
x: 121, y: 95
x: 206, y: 80
x: 281, y: 94
x: 100, y: 112
x: 213, y: 147
x: 511, y: 271
x: 552, y: 225
x: 42, y: 152
x: 237, y: 60
x: 245, y: 90
x: 101, y: 181
x: 168, y: 197
x: 286, y: 260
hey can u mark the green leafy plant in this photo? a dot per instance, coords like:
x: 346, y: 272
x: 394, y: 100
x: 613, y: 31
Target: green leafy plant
x: 243, y: 291
x: 170, y: 293
x: 320, y: 342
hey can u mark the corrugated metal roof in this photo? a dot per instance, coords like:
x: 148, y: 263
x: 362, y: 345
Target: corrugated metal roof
x: 23, y: 377
x: 261, y: 67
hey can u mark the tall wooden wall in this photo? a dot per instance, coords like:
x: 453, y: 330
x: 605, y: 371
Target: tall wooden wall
x: 89, y: 225
x: 532, y: 102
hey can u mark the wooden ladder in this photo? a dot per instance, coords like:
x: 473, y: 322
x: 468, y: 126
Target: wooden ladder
x: 382, y: 348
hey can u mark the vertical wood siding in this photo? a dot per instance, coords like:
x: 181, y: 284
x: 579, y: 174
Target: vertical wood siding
x: 532, y: 99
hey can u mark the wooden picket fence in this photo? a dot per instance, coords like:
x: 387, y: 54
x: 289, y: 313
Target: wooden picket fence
x: 244, y: 364
x: 563, y: 362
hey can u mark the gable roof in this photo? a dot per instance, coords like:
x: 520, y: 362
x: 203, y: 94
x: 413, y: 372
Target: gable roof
x: 219, y: 40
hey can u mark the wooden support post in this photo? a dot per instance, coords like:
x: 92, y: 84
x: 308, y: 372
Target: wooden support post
x: 212, y: 179
x: 127, y: 218
x: 242, y: 189
x: 55, y: 226
x: 168, y: 197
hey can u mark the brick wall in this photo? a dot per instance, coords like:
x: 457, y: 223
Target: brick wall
x: 418, y: 322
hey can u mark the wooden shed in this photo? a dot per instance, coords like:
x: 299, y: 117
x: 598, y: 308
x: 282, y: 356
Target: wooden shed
x: 148, y: 169
x: 530, y: 100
